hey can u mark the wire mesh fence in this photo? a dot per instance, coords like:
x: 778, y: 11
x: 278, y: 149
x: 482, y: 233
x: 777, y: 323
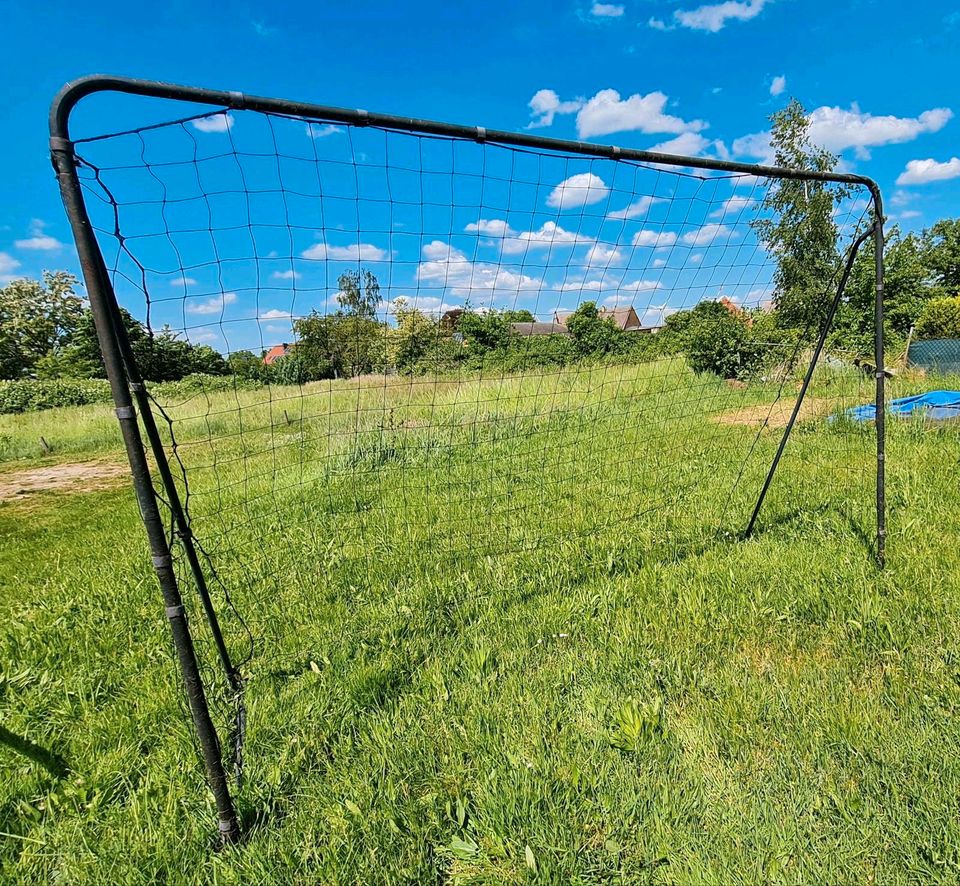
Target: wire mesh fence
x: 938, y: 356
x: 444, y: 351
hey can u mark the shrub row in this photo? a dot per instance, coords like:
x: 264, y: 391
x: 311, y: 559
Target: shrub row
x: 27, y: 394
x: 30, y: 394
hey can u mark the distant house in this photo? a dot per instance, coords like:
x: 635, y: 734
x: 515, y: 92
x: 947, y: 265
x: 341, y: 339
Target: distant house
x: 625, y: 319
x: 736, y: 310
x: 539, y: 328
x: 276, y: 352
x: 451, y: 319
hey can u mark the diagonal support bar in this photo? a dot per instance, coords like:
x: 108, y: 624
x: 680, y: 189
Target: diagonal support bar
x: 821, y: 341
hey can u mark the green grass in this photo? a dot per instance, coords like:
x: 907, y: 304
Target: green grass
x: 626, y: 696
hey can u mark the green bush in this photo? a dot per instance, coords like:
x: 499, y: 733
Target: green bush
x: 940, y: 318
x: 28, y: 394
x: 32, y: 394
x: 722, y: 342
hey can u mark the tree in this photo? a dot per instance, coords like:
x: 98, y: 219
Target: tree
x: 800, y: 232
x: 164, y: 356
x: 37, y: 318
x: 942, y: 243
x: 908, y: 285
x: 940, y: 318
x: 592, y: 334
x: 359, y: 294
x: 245, y: 364
x: 318, y: 351
x: 82, y: 350
x: 487, y: 331
x: 415, y: 336
x: 720, y: 341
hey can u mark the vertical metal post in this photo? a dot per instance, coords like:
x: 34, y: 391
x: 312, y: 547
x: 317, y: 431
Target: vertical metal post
x: 184, y: 532
x: 101, y: 299
x: 881, y: 405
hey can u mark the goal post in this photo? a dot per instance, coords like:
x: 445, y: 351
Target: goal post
x: 356, y: 348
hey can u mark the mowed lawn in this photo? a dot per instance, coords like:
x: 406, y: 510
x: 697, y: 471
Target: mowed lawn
x: 503, y: 630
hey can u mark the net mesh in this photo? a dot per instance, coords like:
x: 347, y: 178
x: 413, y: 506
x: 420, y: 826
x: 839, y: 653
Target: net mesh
x: 447, y: 352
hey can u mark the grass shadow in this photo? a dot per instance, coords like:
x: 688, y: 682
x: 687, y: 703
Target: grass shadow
x: 49, y: 760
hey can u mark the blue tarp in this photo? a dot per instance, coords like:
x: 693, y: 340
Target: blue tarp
x: 935, y: 405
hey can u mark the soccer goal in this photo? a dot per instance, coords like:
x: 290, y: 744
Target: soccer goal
x: 354, y: 353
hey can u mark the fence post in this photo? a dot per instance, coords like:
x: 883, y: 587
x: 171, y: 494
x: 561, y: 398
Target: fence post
x: 881, y: 406
x: 101, y: 298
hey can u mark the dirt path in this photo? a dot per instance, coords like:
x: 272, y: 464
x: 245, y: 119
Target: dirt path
x: 778, y: 415
x: 77, y: 477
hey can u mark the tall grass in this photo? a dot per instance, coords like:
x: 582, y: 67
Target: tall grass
x: 500, y: 634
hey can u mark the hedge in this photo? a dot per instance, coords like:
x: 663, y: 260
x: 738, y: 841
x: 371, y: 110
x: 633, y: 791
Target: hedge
x: 28, y: 394
x: 31, y: 395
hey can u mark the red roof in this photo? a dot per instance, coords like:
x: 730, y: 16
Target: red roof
x: 275, y: 353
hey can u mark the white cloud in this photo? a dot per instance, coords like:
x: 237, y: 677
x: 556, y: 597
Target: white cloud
x: 601, y: 254
x: 607, y: 282
x: 585, y: 286
x: 778, y: 85
x: 352, y: 252
x: 838, y: 129
x: 658, y: 24
x: 654, y: 239
x: 212, y: 305
x: 437, y: 250
x: 8, y: 264
x: 546, y: 104
x: 42, y: 242
x: 733, y: 206
x: 642, y: 285
x: 921, y: 172
x: 275, y: 314
x: 707, y: 235
x: 578, y: 191
x: 659, y: 262
x: 687, y: 144
x: 713, y: 17
x: 639, y: 207
x: 322, y: 130
x: 446, y: 265
x: 606, y: 10
x: 548, y: 235
x: 606, y: 112
x: 183, y: 281
x: 38, y: 240
x: 426, y: 304
x: 284, y: 275
x: 489, y: 227
x: 220, y: 122
x: 908, y: 214
x: 757, y: 144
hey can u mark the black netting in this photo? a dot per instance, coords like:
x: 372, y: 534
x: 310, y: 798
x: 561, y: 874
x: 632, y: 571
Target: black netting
x: 419, y: 387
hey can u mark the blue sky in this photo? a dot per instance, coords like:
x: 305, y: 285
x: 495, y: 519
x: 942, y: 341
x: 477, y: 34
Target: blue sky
x: 688, y: 77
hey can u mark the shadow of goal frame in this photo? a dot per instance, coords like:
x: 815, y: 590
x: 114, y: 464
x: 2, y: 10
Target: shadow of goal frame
x: 133, y: 405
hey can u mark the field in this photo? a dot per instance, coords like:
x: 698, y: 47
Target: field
x: 503, y: 630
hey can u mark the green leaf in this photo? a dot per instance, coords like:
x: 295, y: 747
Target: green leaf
x: 462, y: 849
x: 531, y: 859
